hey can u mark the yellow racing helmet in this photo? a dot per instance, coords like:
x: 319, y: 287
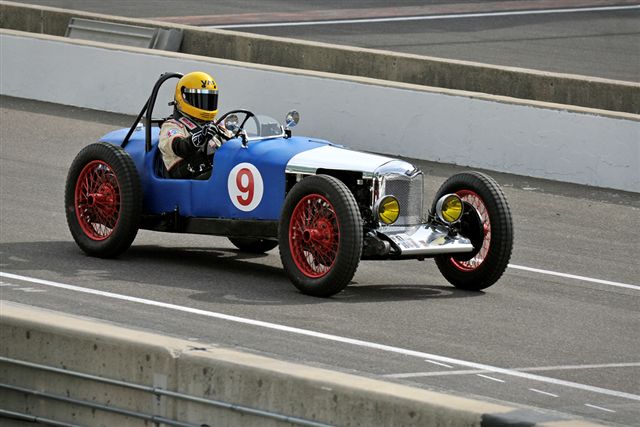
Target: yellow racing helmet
x: 197, y: 96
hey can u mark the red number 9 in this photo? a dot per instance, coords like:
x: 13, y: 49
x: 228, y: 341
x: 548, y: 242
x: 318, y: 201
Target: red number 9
x: 246, y: 187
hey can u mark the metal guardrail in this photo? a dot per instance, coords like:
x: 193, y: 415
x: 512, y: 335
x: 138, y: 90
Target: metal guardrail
x: 158, y: 392
x: 34, y: 419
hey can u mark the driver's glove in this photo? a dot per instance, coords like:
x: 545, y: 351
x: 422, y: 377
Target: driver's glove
x: 219, y: 137
x: 224, y: 133
x: 201, y: 137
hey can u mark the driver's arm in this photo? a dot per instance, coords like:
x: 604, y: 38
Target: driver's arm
x: 183, y: 146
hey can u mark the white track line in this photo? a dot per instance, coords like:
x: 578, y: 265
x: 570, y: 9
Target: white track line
x: 490, y: 378
x: 578, y: 367
x: 546, y: 393
x: 427, y: 17
x: 328, y: 337
x: 599, y: 407
x: 32, y: 290
x: 533, y: 369
x: 436, y: 373
x: 573, y: 276
x: 438, y: 363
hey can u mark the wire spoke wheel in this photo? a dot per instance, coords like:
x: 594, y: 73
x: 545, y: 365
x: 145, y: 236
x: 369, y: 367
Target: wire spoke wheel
x: 482, y: 224
x: 314, y: 235
x: 97, y: 200
x: 486, y: 222
x: 320, y: 235
x: 103, y: 200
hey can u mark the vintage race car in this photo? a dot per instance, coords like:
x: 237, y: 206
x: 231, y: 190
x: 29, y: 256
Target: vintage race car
x: 325, y: 206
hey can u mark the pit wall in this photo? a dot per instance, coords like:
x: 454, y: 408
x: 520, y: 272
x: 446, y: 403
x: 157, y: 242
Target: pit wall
x: 514, y: 82
x: 74, y: 344
x: 557, y: 142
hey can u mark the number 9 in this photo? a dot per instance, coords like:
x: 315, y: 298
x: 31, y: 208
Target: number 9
x: 245, y: 187
x: 244, y: 183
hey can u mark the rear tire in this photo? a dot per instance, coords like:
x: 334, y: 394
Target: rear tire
x: 487, y: 222
x: 320, y: 235
x: 103, y: 200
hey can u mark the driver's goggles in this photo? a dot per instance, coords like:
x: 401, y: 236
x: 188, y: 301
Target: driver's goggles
x: 205, y: 99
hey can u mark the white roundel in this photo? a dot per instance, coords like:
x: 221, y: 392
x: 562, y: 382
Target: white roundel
x: 245, y: 187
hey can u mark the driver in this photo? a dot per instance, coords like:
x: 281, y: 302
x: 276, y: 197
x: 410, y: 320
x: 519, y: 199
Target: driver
x: 190, y: 137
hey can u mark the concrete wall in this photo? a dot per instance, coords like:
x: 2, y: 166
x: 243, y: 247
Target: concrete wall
x: 513, y: 82
x: 496, y: 133
x: 97, y: 348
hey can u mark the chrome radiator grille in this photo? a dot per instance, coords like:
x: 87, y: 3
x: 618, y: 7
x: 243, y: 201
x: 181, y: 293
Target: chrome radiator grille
x: 409, y: 192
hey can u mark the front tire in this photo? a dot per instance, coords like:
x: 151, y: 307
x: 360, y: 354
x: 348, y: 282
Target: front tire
x: 487, y: 222
x: 103, y: 200
x: 320, y: 235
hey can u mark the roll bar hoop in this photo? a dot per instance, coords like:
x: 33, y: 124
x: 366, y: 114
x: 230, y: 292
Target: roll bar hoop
x: 148, y: 109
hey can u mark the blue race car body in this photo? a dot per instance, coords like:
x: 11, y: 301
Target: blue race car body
x: 211, y: 198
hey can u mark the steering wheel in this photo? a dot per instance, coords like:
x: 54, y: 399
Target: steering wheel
x: 238, y: 132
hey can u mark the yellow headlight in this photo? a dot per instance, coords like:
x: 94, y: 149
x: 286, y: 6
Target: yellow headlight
x: 449, y: 208
x: 388, y: 209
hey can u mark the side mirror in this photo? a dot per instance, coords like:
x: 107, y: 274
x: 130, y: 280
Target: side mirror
x: 231, y: 122
x: 292, y: 119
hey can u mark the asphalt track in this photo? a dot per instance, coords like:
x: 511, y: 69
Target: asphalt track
x: 535, y: 338
x: 598, y: 38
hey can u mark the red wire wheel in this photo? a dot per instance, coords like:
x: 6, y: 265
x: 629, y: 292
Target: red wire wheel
x: 103, y: 200
x: 472, y: 201
x: 97, y: 200
x: 320, y: 235
x: 314, y: 235
x: 486, y: 222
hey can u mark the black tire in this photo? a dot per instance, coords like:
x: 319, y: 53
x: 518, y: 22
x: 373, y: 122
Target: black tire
x: 487, y: 223
x: 254, y: 246
x: 320, y: 253
x: 103, y: 200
